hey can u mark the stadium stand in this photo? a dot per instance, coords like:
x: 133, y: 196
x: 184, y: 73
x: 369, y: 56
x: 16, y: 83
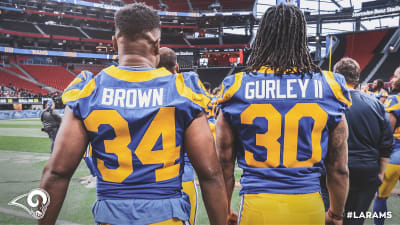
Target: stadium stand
x: 177, y: 5
x: 54, y: 76
x: 365, y: 47
x: 201, y: 5
x: 99, y: 34
x: 153, y: 3
x: 18, y: 26
x: 61, y: 30
x: 6, y: 79
x: 94, y: 68
x: 237, y: 4
x: 16, y: 70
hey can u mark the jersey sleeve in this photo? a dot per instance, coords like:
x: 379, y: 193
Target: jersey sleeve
x: 392, y: 105
x: 230, y: 85
x: 189, y: 86
x: 339, y: 101
x: 76, y: 92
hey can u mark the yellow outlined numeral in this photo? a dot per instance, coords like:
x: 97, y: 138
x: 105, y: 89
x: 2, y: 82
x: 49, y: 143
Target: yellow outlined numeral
x: 117, y: 146
x: 163, y: 124
x: 292, y: 120
x: 269, y: 139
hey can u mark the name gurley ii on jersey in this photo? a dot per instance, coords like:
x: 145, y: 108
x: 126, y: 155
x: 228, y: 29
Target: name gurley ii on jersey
x: 282, y: 126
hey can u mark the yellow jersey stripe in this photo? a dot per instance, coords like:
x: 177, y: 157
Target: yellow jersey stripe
x: 336, y: 89
x: 394, y: 107
x: 75, y: 81
x: 186, y: 92
x: 75, y: 94
x: 84, y: 74
x: 136, y: 76
x: 233, y: 89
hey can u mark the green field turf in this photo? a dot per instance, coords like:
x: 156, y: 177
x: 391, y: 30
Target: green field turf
x: 24, y: 150
x: 21, y: 126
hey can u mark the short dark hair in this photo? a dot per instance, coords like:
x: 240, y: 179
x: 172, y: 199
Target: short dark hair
x: 281, y: 42
x: 168, y: 59
x: 380, y: 84
x: 349, y: 68
x: 133, y: 20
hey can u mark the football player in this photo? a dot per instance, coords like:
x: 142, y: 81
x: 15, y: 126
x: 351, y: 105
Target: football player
x: 138, y: 120
x: 168, y: 60
x: 283, y: 119
x: 379, y: 91
x: 392, y: 172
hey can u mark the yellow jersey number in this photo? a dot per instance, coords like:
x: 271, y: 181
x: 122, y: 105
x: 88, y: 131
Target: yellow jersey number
x: 269, y: 139
x: 119, y: 145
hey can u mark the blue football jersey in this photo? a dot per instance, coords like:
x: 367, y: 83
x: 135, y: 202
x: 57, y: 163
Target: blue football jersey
x: 380, y: 94
x: 282, y: 126
x: 212, y: 109
x: 392, y: 105
x: 135, y: 120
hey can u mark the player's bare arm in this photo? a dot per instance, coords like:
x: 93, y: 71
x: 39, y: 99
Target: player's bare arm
x: 199, y: 145
x: 226, y: 156
x: 226, y: 153
x: 337, y: 172
x: 70, y: 144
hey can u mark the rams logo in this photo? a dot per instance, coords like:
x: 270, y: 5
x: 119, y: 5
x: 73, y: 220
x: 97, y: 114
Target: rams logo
x: 35, y: 210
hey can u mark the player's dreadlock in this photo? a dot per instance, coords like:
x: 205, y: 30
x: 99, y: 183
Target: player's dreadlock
x: 281, y: 42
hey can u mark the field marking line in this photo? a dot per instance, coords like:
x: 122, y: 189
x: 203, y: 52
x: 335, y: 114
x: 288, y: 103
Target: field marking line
x: 25, y: 215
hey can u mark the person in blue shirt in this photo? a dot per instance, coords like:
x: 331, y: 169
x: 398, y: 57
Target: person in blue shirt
x: 370, y: 143
x: 139, y: 121
x: 283, y: 119
x: 392, y: 172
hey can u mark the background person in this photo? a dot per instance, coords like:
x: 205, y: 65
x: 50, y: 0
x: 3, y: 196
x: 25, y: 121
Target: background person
x: 51, y: 120
x: 370, y: 143
x: 392, y: 172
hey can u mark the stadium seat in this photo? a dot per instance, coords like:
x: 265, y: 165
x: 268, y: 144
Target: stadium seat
x: 54, y: 76
x: 6, y: 79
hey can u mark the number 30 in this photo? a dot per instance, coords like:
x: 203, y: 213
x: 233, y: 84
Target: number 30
x: 269, y: 139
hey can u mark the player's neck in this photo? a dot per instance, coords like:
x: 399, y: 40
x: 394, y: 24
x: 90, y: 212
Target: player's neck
x: 136, y: 61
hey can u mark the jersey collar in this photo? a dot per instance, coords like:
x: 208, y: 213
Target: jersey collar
x: 136, y: 75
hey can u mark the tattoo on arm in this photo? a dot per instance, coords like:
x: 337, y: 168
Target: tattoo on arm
x: 337, y: 145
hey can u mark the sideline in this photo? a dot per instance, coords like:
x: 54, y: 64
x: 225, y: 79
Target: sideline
x: 26, y: 215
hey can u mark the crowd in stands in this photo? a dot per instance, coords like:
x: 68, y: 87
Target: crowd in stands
x: 14, y: 92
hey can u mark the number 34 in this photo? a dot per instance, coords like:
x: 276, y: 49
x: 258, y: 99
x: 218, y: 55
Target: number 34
x: 119, y: 145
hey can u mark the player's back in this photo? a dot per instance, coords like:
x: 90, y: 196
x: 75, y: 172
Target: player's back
x: 282, y: 126
x: 135, y: 119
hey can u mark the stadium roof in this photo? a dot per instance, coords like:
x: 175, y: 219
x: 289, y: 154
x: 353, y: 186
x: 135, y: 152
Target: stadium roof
x: 332, y: 7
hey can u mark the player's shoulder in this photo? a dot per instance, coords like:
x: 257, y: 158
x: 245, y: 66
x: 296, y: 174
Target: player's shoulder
x: 82, y: 85
x: 230, y: 85
x: 189, y: 85
x: 392, y: 103
x: 337, y: 85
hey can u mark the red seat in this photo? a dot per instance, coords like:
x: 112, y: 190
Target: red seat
x: 53, y: 76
